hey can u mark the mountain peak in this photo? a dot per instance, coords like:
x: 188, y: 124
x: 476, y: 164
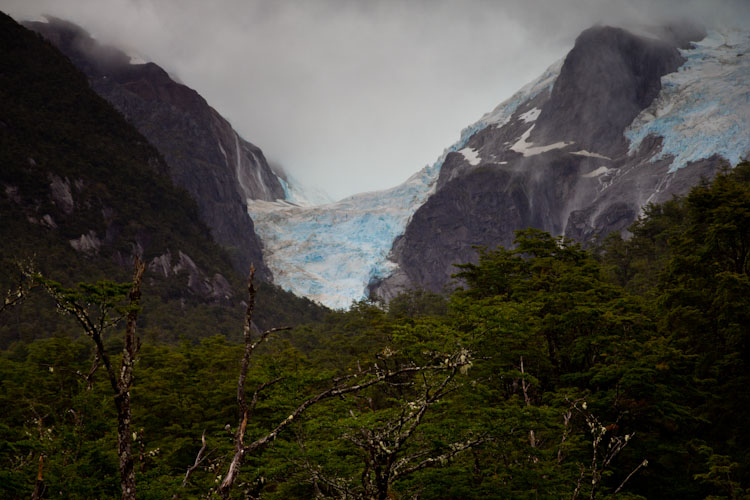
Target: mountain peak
x: 576, y: 152
x: 205, y: 155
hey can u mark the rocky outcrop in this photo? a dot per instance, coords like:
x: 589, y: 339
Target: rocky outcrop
x: 559, y: 161
x: 81, y: 191
x: 204, y: 154
x: 607, y: 79
x: 216, y: 287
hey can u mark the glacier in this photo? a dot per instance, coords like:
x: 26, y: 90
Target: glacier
x: 702, y: 108
x: 330, y: 252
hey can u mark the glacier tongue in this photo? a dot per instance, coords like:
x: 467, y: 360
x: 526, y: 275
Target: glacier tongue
x: 702, y: 109
x: 331, y: 252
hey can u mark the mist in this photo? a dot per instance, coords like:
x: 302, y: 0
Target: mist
x: 356, y: 96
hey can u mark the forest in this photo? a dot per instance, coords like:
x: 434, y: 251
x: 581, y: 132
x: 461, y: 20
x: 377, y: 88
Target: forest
x: 550, y: 371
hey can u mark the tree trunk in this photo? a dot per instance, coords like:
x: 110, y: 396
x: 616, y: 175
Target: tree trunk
x: 124, y: 447
x: 122, y: 399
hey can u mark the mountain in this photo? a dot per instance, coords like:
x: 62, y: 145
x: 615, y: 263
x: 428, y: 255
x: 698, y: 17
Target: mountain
x: 625, y: 119
x: 205, y: 155
x: 82, y: 192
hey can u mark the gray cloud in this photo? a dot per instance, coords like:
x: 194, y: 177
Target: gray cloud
x: 358, y: 95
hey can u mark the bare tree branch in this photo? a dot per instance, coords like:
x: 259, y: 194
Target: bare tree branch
x: 124, y: 382
x: 344, y: 385
x: 622, y: 484
x: 199, y: 458
x: 120, y: 382
x: 525, y: 388
x: 39, y: 486
x: 455, y: 449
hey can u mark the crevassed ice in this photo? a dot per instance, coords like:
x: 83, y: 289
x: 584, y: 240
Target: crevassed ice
x: 331, y: 252
x: 704, y: 108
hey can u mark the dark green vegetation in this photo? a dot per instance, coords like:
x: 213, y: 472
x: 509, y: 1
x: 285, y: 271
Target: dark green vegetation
x: 555, y: 372
x: 563, y: 371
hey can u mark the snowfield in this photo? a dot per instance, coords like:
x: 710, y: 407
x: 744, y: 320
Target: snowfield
x: 704, y: 108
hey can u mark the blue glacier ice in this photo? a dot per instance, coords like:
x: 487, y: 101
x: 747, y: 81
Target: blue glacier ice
x: 704, y: 107
x: 330, y: 252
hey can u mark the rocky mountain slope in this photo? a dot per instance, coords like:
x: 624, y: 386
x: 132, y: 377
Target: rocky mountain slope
x: 82, y: 192
x: 630, y: 119
x: 624, y: 120
x: 205, y: 155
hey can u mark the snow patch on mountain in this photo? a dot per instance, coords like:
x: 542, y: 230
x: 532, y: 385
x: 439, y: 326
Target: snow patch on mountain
x: 330, y: 252
x: 704, y: 108
x: 599, y: 171
x: 527, y: 148
x: 471, y: 155
x: 531, y: 115
x: 589, y: 154
x: 504, y: 111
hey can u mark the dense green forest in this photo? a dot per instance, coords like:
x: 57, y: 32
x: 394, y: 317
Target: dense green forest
x: 552, y: 371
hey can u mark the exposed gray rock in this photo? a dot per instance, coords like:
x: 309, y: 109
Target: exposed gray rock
x: 48, y: 221
x: 220, y: 288
x: 162, y: 264
x: 216, y: 288
x: 61, y: 194
x: 560, y: 164
x: 87, y: 243
x: 12, y: 193
x: 608, y: 77
x: 205, y: 155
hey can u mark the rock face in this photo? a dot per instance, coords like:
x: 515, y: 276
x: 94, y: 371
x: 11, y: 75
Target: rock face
x: 608, y: 77
x: 204, y: 154
x: 82, y: 192
x: 580, y: 151
x: 624, y: 120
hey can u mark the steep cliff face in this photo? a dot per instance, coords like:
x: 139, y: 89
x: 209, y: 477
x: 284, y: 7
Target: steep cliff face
x: 608, y: 77
x: 624, y: 121
x: 205, y: 155
x: 82, y: 192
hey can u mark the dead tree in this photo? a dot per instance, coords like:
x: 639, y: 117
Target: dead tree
x: 339, y: 387
x: 385, y: 449
x: 97, y: 309
x: 605, y: 446
x: 17, y: 295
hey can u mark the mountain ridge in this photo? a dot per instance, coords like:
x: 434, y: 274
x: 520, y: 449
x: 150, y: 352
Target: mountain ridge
x: 82, y: 192
x: 578, y: 152
x: 206, y: 156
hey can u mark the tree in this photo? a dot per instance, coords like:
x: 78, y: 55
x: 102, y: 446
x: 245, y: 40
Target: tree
x: 98, y: 308
x: 390, y: 429
x: 339, y: 387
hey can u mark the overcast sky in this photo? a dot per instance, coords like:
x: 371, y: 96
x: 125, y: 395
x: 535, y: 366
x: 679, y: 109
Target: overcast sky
x: 354, y: 96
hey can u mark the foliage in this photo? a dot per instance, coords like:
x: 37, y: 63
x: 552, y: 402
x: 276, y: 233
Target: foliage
x: 555, y: 372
